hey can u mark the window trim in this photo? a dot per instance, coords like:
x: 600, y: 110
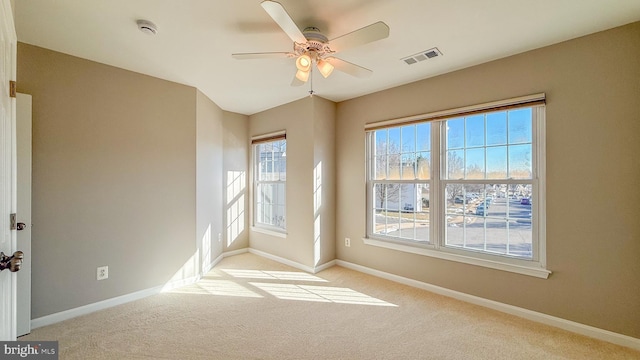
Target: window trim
x: 535, y: 267
x: 255, y: 225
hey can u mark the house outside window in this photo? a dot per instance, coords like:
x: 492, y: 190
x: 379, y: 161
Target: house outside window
x: 467, y: 185
x: 270, y: 179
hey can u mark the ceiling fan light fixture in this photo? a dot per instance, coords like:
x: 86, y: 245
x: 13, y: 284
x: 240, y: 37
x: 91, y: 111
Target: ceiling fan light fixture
x: 325, y: 68
x: 302, y: 75
x: 303, y: 63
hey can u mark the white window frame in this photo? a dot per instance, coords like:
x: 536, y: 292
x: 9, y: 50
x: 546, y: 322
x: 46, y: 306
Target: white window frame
x: 258, y: 226
x: 436, y: 248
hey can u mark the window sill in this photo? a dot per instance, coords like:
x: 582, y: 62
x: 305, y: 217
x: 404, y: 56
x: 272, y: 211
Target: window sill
x: 519, y: 269
x: 269, y: 232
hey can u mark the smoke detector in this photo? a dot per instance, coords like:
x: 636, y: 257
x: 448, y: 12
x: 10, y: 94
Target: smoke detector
x: 147, y: 27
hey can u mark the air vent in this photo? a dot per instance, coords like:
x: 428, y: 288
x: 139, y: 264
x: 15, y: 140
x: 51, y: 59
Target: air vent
x: 422, y: 56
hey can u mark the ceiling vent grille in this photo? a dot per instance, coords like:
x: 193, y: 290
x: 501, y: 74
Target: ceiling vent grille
x: 422, y: 56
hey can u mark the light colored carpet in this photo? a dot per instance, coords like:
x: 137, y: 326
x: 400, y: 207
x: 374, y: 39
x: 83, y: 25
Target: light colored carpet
x: 249, y: 307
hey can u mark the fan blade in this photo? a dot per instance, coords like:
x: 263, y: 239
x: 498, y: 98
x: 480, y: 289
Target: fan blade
x: 282, y: 18
x: 264, y: 55
x: 365, y: 35
x: 349, y: 68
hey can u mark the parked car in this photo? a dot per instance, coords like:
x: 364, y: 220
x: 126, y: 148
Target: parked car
x: 408, y: 207
x: 481, y: 210
x: 525, y: 201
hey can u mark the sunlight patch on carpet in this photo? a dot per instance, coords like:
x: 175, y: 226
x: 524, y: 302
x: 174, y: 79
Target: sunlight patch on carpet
x: 217, y: 287
x: 319, y: 294
x: 276, y: 275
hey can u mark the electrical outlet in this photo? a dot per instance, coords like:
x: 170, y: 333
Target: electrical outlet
x: 219, y: 237
x: 103, y: 273
x: 347, y: 242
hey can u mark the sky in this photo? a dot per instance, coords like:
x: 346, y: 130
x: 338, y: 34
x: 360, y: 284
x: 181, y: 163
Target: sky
x: 506, y: 141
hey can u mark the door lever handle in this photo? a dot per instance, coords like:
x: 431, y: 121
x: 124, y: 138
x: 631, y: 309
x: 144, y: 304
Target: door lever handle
x: 13, y: 262
x: 21, y: 226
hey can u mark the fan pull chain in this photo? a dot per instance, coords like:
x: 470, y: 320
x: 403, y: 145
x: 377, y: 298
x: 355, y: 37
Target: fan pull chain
x: 311, y: 81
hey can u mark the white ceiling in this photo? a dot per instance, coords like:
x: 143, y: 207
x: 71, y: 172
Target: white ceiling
x: 196, y: 38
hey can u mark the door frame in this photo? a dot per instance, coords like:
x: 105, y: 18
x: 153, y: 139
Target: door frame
x: 8, y: 198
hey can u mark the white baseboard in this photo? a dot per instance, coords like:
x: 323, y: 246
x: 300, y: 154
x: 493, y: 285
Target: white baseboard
x: 564, y: 324
x: 297, y: 265
x: 324, y: 266
x: 87, y: 309
x: 235, y: 252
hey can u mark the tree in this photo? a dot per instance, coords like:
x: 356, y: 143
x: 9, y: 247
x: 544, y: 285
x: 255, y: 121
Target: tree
x: 387, y: 162
x: 455, y: 169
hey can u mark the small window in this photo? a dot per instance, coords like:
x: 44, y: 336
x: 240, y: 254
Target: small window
x: 270, y: 180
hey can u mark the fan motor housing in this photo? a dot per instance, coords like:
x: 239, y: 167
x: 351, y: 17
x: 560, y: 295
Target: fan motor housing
x: 312, y: 33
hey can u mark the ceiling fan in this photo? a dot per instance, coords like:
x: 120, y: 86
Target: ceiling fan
x: 311, y: 47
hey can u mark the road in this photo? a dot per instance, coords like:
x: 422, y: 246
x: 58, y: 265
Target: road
x: 505, y: 228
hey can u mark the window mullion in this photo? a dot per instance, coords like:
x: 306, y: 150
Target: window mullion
x: 436, y: 204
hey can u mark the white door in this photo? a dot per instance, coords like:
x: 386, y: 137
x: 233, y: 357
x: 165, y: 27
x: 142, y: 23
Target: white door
x: 23, y: 154
x: 8, y: 43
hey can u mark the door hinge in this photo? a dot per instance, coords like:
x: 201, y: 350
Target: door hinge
x: 12, y: 88
x: 12, y: 222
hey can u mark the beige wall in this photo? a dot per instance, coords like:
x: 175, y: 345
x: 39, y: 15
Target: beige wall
x: 593, y: 231
x: 113, y: 178
x: 209, y: 180
x: 324, y: 132
x: 236, y: 181
x: 296, y: 119
x: 310, y: 127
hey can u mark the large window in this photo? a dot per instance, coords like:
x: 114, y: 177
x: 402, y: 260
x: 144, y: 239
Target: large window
x: 270, y: 179
x: 467, y: 185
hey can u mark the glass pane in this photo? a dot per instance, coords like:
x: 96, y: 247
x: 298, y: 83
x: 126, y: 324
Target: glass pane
x: 422, y: 214
x: 475, y: 164
x: 379, y: 196
x: 394, y: 165
x: 520, y: 239
x: 272, y: 161
x: 474, y: 233
x: 380, y: 141
x: 520, y: 161
x: 394, y: 196
x: 270, y: 204
x: 475, y: 131
x: 520, y: 126
x: 408, y: 198
x: 386, y: 218
x: 495, y: 201
x: 497, y: 128
x: 455, y: 133
x: 423, y: 136
x: 409, y: 204
x: 409, y: 138
x: 393, y: 144
x: 380, y: 167
x: 408, y: 166
x: 455, y: 164
x: 497, y: 162
x: 455, y: 231
x: 423, y: 163
x: 497, y: 235
x: 456, y: 199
